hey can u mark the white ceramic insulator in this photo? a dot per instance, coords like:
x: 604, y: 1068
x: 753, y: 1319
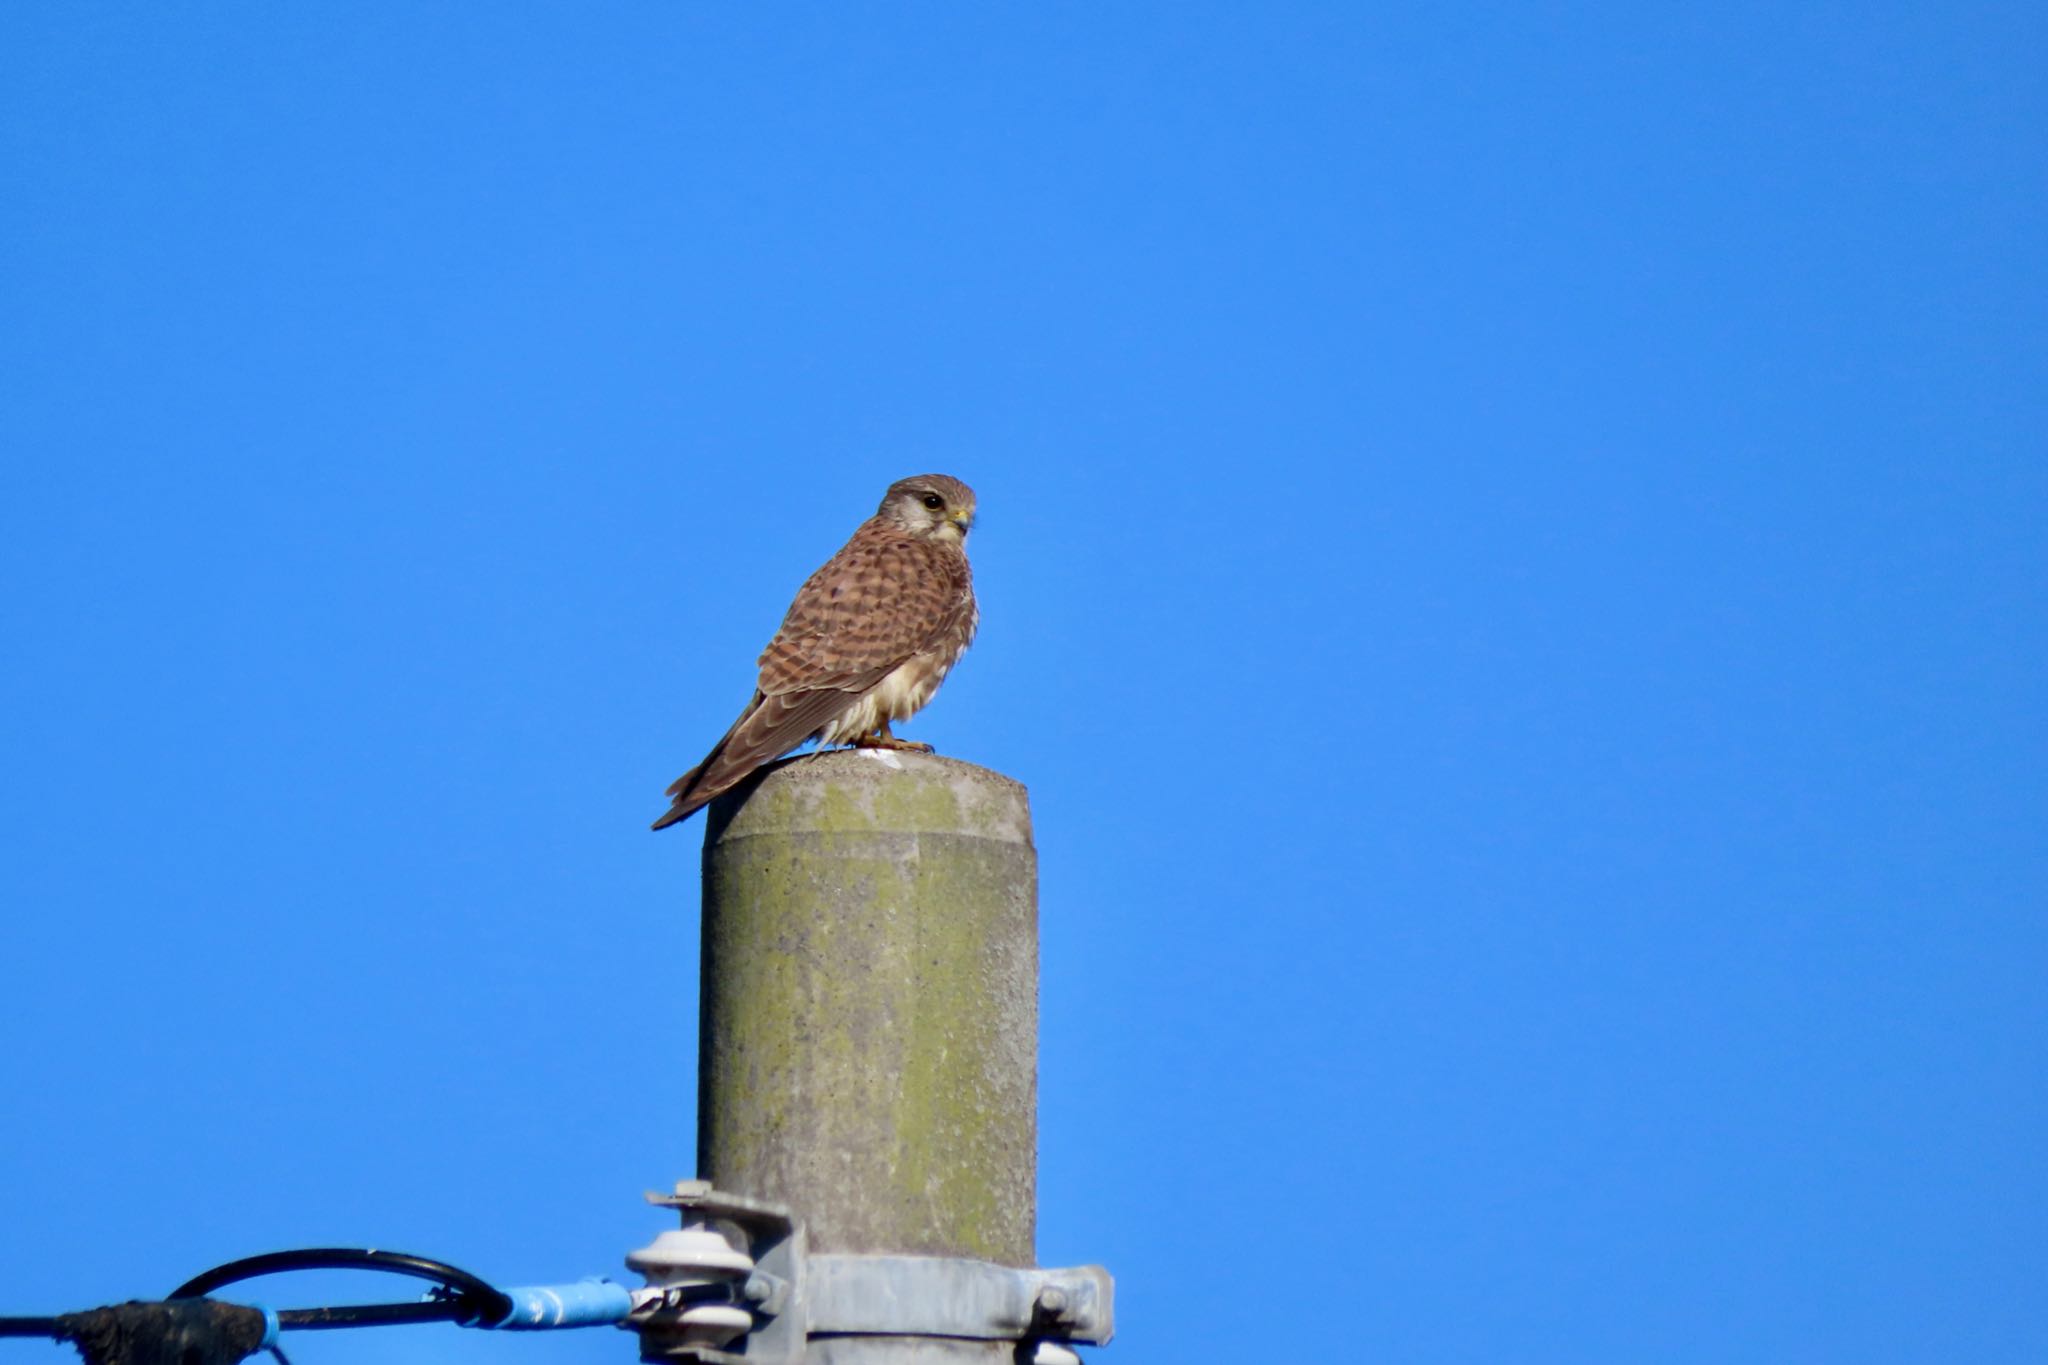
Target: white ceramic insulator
x: 714, y: 1325
x: 683, y: 1255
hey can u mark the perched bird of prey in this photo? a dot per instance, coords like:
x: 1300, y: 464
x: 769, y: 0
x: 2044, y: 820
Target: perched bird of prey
x: 867, y: 641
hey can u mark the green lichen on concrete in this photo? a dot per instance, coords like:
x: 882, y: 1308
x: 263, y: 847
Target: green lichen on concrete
x: 870, y: 1006
x: 916, y: 805
x: 839, y: 811
x: 961, y: 1092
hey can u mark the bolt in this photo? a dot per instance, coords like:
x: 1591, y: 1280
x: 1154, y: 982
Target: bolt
x: 1053, y: 1301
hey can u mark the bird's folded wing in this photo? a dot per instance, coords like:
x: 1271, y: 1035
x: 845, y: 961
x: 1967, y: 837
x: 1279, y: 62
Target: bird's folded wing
x: 766, y: 730
x: 872, y: 605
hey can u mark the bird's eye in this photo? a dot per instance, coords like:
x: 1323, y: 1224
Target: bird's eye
x: 934, y: 501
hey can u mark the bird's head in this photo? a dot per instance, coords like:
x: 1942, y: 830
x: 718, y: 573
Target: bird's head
x: 929, y: 507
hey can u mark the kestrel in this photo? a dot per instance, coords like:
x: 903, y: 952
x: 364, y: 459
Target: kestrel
x: 867, y: 641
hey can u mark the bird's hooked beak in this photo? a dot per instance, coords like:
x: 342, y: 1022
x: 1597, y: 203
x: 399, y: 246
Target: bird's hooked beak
x: 963, y: 519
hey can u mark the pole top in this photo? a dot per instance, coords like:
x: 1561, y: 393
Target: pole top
x: 874, y: 791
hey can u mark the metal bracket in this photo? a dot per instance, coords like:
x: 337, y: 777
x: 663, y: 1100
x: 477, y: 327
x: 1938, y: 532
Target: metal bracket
x: 945, y: 1296
x: 735, y: 1286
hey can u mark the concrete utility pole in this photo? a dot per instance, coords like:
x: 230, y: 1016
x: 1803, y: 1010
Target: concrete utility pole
x: 869, y: 1039
x: 867, y: 1113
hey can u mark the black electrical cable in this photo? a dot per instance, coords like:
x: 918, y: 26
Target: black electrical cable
x: 373, y: 1315
x: 193, y: 1331
x: 460, y: 1297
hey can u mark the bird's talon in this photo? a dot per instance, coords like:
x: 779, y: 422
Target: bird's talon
x: 891, y: 742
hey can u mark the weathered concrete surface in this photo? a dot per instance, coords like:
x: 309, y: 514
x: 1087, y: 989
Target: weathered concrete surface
x: 869, y: 1042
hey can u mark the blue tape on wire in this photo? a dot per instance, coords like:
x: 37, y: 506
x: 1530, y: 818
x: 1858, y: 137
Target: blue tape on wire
x: 586, y: 1303
x: 271, y: 1327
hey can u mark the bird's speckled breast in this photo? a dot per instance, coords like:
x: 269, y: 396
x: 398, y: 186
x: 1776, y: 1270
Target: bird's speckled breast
x: 900, y: 695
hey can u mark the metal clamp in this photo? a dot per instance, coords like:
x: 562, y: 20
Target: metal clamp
x: 947, y: 1296
x: 738, y: 1268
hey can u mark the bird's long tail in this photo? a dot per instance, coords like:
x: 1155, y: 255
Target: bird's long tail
x: 767, y: 729
x: 688, y: 801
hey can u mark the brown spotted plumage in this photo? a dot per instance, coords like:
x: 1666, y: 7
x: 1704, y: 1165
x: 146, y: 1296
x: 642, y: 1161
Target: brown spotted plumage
x: 867, y: 641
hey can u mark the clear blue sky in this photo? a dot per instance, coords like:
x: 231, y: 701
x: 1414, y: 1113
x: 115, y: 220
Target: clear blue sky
x: 1512, y: 565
